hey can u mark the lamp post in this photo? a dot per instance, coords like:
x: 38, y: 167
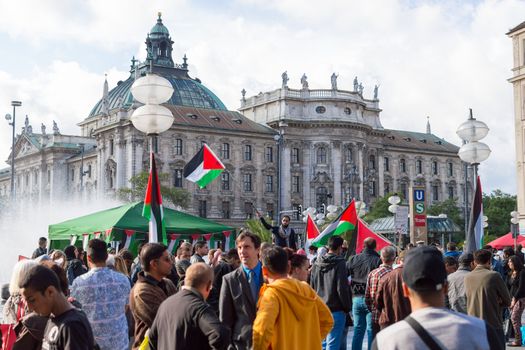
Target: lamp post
x: 472, y: 151
x: 152, y: 118
x: 279, y: 140
x: 394, y: 201
x: 514, y: 227
x: 350, y: 175
x: 8, y: 118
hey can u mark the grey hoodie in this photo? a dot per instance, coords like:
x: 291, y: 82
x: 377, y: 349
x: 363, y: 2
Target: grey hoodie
x: 330, y: 280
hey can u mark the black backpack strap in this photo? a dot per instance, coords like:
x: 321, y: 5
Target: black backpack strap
x: 423, y: 334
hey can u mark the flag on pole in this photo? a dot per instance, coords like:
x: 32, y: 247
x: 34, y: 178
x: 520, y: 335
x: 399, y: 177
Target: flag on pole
x: 204, y: 167
x: 346, y: 221
x: 475, y: 227
x: 312, y: 231
x: 153, y: 207
x: 364, y: 232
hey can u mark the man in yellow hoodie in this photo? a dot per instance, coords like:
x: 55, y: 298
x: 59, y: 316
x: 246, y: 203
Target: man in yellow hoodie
x: 290, y: 314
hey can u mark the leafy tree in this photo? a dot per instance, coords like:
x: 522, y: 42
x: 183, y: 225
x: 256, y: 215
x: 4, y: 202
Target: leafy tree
x: 257, y: 228
x: 379, y: 209
x: 139, y: 183
x: 497, y: 207
x: 449, y: 207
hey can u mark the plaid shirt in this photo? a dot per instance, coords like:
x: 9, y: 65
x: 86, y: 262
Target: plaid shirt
x: 372, y: 283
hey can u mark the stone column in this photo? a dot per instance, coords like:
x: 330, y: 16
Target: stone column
x: 238, y: 207
x: 139, y: 154
x: 120, y: 159
x: 360, y: 149
x: 101, y: 160
x: 285, y: 180
x: 337, y: 162
x: 306, y: 162
x: 381, y: 173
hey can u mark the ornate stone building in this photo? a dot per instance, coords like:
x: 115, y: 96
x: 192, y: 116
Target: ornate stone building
x: 329, y: 143
x: 517, y: 34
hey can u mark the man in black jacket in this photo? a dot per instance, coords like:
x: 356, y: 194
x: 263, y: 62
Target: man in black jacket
x: 282, y: 235
x: 329, y: 279
x: 195, y: 325
x: 359, y: 266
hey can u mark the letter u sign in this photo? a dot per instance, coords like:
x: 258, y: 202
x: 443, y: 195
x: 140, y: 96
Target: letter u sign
x: 419, y: 195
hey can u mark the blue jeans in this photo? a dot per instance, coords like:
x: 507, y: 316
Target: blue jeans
x: 362, y: 323
x: 334, y: 338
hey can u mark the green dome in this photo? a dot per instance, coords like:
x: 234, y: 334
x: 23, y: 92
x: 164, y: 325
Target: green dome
x: 159, y: 29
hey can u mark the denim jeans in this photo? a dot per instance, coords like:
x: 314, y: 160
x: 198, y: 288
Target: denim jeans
x: 362, y: 323
x: 334, y: 338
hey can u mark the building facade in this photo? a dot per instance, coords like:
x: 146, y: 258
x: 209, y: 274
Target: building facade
x: 517, y: 34
x: 283, y: 148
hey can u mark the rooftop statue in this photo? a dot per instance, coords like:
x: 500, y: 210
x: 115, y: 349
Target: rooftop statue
x: 334, y: 81
x: 284, y: 76
x: 356, y: 84
x: 304, y: 82
x: 376, y: 91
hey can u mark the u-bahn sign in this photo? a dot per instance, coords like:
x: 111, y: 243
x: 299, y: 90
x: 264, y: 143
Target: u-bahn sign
x: 418, y: 215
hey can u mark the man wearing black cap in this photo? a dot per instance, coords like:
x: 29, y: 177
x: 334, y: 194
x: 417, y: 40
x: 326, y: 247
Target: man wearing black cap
x: 456, y: 283
x: 430, y: 325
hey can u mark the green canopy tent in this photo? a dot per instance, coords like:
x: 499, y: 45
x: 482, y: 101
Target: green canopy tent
x: 126, y: 224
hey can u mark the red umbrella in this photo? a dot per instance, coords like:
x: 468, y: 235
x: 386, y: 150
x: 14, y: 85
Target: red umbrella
x: 506, y: 241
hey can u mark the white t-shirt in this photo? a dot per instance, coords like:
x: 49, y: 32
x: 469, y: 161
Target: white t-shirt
x: 451, y: 330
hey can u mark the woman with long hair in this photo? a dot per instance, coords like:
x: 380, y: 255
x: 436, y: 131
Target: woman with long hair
x: 516, y: 283
x: 15, y: 307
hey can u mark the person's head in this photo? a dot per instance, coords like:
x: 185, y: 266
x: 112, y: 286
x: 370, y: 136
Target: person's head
x: 248, y: 246
x: 127, y: 256
x: 312, y: 250
x: 61, y: 274
x: 19, y: 270
x: 232, y: 258
x: 285, y: 221
x: 369, y: 243
x: 41, y: 290
x: 299, y: 266
x: 466, y: 260
x: 335, y: 244
x: 451, y: 264
x: 508, y: 252
x: 451, y: 246
x: 42, y: 242
x: 120, y: 265
x: 519, y: 247
x: 97, y: 253
x: 199, y: 276
x: 201, y: 248
x: 424, y: 277
x: 401, y: 257
x: 483, y: 257
x: 181, y: 266
x: 59, y: 258
x: 184, y: 252
x: 211, y: 254
x: 410, y: 246
x: 71, y: 252
x: 515, y: 264
x: 156, y: 260
x: 275, y: 263
x: 264, y: 247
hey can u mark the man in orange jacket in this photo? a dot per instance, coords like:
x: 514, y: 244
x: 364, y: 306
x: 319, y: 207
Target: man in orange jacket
x: 290, y: 314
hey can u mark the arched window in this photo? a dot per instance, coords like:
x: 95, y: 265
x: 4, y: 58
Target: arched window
x: 321, y: 155
x: 419, y: 166
x: 372, y: 161
x: 402, y: 166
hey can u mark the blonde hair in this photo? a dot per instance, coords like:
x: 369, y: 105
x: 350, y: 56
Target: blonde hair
x: 120, y: 265
x: 20, y: 269
x: 57, y: 254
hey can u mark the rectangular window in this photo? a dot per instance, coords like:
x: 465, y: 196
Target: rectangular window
x: 268, y: 155
x: 295, y: 155
x: 419, y: 167
x: 225, y: 210
x: 178, y: 147
x: 297, y: 214
x: 111, y: 147
x: 295, y: 184
x: 386, y: 164
x: 248, y: 209
x: 348, y: 155
x: 450, y: 192
x: 202, y: 209
x: 72, y: 175
x: 225, y: 151
x: 177, y: 178
x: 403, y: 166
x: 387, y: 188
x: 404, y: 190
x: 435, y: 193
x: 48, y: 176
x: 269, y: 209
x: 373, y: 189
x: 225, y: 181
x: 247, y: 182
x: 434, y: 167
x: 269, y: 183
x: 89, y: 171
x: 450, y: 168
x: 247, y: 152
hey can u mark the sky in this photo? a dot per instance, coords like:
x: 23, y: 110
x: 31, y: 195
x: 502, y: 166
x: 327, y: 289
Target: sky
x: 430, y: 58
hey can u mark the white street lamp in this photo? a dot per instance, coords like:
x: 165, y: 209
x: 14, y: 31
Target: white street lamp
x: 152, y: 89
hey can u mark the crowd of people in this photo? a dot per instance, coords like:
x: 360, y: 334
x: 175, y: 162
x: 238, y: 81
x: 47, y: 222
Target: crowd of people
x: 266, y: 296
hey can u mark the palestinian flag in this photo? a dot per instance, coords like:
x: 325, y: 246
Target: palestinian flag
x: 204, y: 167
x: 364, y: 232
x: 347, y: 221
x: 312, y: 231
x: 153, y: 207
x: 475, y: 227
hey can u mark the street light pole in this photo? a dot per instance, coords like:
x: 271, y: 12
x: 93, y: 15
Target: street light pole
x: 13, y: 124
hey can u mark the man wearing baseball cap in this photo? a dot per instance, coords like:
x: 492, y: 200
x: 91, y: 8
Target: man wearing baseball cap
x: 431, y: 325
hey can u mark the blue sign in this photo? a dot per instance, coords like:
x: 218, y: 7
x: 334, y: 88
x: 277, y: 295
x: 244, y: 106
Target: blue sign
x: 419, y: 195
